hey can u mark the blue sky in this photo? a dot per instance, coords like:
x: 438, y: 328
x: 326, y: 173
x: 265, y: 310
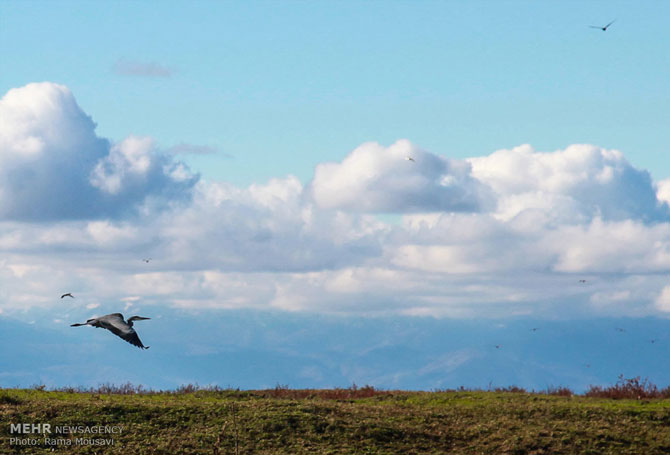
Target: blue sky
x: 257, y: 152
x: 284, y: 86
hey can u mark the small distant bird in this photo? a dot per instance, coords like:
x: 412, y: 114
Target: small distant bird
x: 588, y: 365
x: 67, y: 295
x: 146, y: 260
x: 498, y: 346
x: 582, y: 281
x: 604, y: 29
x: 409, y: 158
x: 653, y: 341
x: 534, y: 329
x: 619, y: 329
x: 114, y: 323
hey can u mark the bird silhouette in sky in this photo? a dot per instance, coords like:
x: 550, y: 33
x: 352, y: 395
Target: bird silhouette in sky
x: 67, y: 295
x: 604, y: 29
x: 409, y: 158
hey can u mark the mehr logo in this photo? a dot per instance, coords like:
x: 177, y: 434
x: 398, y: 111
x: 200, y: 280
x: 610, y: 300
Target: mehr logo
x: 28, y: 428
x: 45, y: 429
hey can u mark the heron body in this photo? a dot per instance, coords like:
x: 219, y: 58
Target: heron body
x: 118, y: 326
x: 67, y: 295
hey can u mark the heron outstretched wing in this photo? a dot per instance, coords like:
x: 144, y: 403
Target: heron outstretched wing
x: 601, y: 27
x: 114, y: 323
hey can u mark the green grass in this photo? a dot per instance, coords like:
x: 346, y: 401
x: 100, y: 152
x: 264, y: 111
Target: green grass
x: 362, y: 421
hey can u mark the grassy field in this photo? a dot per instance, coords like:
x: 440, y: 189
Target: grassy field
x: 340, y: 421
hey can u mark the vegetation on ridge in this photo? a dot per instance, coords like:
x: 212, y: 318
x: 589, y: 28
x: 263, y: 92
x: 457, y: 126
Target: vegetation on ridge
x: 193, y: 420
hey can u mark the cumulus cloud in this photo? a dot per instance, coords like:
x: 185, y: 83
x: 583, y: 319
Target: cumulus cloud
x: 575, y: 184
x: 142, y: 69
x: 53, y: 165
x: 374, y: 178
x: 131, y: 171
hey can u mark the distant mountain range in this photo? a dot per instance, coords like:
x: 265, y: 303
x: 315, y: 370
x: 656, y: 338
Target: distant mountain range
x: 251, y: 350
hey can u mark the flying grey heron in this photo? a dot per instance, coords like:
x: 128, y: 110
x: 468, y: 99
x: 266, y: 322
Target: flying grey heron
x: 604, y: 29
x: 409, y: 158
x: 67, y: 295
x: 114, y: 323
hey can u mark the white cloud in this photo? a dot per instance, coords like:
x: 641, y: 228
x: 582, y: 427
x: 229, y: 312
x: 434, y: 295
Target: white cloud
x: 574, y: 185
x: 104, y: 232
x: 373, y: 178
x: 131, y: 158
x: 663, y: 190
x: 663, y: 300
x: 266, y: 228
x: 20, y: 270
x: 53, y: 166
x: 612, y: 247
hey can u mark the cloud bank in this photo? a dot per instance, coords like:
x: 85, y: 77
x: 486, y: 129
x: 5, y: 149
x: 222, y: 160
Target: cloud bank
x: 572, y: 232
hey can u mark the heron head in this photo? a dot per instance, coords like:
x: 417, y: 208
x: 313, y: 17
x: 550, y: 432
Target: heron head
x: 137, y: 318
